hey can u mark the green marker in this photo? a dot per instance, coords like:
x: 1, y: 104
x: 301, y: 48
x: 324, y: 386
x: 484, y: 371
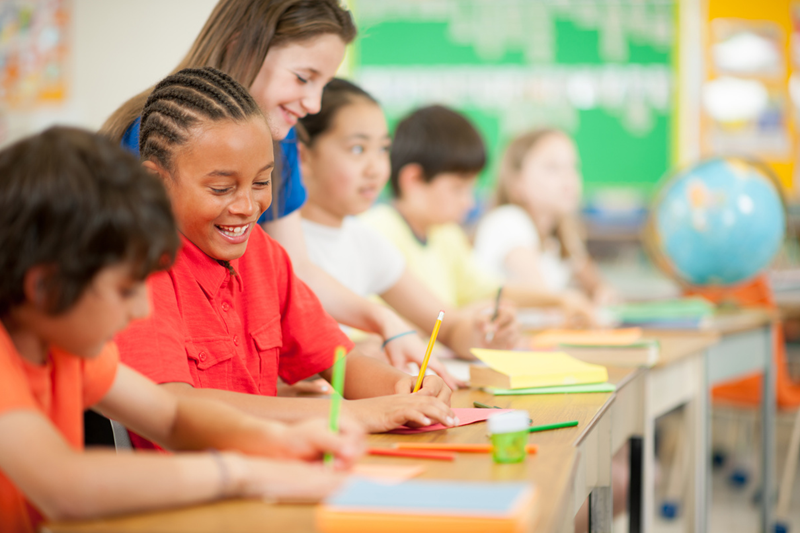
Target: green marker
x: 560, y: 425
x: 484, y: 406
x: 336, y: 396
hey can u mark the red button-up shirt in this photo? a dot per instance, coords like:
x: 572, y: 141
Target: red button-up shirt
x: 236, y: 331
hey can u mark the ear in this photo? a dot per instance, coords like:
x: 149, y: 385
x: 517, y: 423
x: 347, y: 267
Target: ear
x: 410, y: 177
x: 34, y: 286
x: 157, y: 170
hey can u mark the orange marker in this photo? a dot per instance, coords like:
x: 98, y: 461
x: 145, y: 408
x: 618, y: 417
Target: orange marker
x: 416, y: 454
x: 424, y: 366
x: 454, y: 447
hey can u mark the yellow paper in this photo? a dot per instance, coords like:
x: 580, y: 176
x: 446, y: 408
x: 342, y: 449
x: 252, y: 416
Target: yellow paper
x: 609, y: 337
x: 541, y: 369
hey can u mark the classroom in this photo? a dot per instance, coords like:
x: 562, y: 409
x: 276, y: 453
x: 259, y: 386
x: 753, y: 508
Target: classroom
x: 355, y: 266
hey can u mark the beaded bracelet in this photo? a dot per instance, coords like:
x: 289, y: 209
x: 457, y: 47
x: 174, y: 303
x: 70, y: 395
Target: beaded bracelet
x: 390, y: 339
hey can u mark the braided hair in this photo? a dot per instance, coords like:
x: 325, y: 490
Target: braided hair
x: 184, y: 100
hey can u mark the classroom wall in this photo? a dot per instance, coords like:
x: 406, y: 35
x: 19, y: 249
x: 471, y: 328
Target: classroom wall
x: 117, y: 48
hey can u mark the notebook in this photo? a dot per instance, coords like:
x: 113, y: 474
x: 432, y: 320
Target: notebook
x: 642, y: 353
x: 428, y: 507
x: 516, y: 370
x: 681, y: 313
x: 552, y: 338
x: 562, y: 389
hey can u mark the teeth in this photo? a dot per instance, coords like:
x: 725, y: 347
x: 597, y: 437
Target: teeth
x: 234, y: 231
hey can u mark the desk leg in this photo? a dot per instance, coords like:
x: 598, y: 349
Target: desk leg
x: 635, y: 486
x: 698, y: 422
x: 768, y: 404
x: 601, y: 499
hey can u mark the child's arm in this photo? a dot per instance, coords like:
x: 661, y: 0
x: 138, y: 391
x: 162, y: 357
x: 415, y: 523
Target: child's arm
x: 461, y: 330
x: 64, y: 483
x: 343, y: 305
x: 378, y: 398
x: 181, y: 423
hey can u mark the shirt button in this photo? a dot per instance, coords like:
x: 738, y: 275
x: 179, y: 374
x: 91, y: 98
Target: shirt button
x: 202, y: 356
x: 236, y: 340
x: 225, y: 306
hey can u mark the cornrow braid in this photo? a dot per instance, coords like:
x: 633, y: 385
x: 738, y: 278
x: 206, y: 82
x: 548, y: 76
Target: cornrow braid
x: 185, y: 99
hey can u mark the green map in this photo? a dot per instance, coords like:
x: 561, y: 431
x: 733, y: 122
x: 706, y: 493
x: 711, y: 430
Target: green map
x: 599, y: 69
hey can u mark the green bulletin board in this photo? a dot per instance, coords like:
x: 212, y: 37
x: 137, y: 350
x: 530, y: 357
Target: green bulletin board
x: 599, y: 69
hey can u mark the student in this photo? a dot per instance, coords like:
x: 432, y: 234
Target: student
x: 531, y: 236
x: 435, y: 159
x: 86, y: 225
x: 345, y: 163
x: 230, y: 317
x: 284, y: 51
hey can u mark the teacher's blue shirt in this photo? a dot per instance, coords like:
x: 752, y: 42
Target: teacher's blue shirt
x: 292, y: 193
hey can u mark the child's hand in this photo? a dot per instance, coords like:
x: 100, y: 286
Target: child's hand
x: 501, y: 334
x: 283, y: 481
x: 386, y: 413
x: 579, y: 311
x: 411, y: 349
x: 431, y: 386
x: 311, y: 439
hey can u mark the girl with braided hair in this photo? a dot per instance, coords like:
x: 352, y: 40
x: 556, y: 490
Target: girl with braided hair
x: 285, y: 52
x: 230, y: 316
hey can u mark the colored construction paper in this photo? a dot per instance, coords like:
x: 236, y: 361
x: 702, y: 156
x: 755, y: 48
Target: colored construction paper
x: 466, y: 416
x: 608, y: 337
x: 387, y: 474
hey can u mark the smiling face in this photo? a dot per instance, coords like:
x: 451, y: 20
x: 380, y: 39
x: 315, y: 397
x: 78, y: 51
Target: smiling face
x: 550, y: 180
x: 348, y: 165
x: 290, y: 82
x: 220, y: 184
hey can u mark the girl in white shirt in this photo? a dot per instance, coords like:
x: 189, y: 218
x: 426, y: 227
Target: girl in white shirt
x: 532, y: 236
x: 344, y: 160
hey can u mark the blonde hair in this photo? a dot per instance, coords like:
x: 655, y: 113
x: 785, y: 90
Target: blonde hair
x: 569, y: 230
x: 236, y: 38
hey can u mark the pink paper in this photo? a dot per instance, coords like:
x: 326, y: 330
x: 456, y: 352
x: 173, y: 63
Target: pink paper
x: 466, y: 416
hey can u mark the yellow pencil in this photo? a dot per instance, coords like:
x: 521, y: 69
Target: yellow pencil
x: 428, y: 351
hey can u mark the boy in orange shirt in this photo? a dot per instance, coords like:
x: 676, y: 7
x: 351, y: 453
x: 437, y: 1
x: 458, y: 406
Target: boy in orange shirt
x: 81, y: 226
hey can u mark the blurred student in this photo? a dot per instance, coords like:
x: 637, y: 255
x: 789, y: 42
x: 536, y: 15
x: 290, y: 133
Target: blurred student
x: 284, y: 52
x: 81, y: 226
x: 435, y: 160
x: 532, y: 236
x: 230, y: 316
x: 345, y: 163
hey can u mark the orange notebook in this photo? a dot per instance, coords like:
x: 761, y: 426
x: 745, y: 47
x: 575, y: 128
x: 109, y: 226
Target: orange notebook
x: 552, y: 338
x: 428, y: 507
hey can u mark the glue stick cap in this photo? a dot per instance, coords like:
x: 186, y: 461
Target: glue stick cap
x: 509, y: 422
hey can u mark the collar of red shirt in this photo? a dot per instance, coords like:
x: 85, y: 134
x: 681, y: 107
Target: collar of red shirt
x: 208, y: 272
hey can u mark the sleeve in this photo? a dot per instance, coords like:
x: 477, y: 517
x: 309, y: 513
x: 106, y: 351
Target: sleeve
x: 500, y: 232
x: 473, y: 282
x: 130, y: 139
x: 155, y: 345
x: 292, y: 193
x: 99, y: 374
x: 15, y: 390
x: 385, y: 261
x: 309, y: 334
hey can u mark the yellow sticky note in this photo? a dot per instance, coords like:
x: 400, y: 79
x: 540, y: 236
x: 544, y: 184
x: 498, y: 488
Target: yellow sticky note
x: 533, y: 369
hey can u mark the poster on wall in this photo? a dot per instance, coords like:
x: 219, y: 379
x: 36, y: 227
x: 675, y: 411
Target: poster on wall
x: 34, y: 51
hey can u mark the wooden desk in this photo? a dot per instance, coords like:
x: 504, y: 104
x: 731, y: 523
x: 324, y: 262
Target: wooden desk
x: 692, y: 362
x: 571, y: 463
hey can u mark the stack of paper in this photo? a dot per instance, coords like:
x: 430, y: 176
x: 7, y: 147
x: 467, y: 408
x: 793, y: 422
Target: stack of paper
x: 682, y: 313
x: 517, y: 370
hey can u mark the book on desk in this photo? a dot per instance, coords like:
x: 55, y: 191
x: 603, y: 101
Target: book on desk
x: 517, y: 370
x: 429, y: 507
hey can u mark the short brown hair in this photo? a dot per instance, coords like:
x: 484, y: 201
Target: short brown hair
x: 439, y: 140
x: 75, y: 201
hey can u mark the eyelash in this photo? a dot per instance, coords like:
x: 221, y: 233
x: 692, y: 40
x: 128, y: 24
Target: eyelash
x: 301, y: 79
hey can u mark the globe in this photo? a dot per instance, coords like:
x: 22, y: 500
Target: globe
x: 720, y: 222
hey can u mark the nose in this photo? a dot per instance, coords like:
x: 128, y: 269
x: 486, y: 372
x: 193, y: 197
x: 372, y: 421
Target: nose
x: 312, y: 100
x: 243, y: 204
